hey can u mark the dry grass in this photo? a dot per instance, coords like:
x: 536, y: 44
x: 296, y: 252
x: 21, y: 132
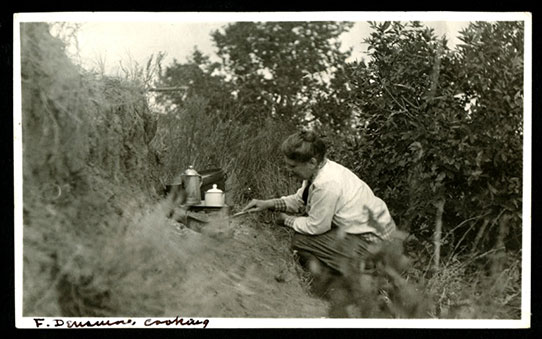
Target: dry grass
x: 466, y: 288
x: 249, y: 154
x: 86, y: 171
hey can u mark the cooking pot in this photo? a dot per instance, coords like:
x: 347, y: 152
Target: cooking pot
x: 214, y: 197
x: 206, y: 179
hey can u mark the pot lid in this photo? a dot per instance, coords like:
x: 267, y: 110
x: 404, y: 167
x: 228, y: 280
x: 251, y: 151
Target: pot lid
x: 190, y: 171
x: 214, y: 189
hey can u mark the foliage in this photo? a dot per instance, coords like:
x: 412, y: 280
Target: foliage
x: 431, y: 129
x: 278, y: 68
x: 490, y: 72
x: 197, y: 78
x: 435, y: 125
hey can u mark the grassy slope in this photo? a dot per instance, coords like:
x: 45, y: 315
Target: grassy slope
x: 97, y: 241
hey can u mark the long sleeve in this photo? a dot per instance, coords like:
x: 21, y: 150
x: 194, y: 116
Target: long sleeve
x: 322, y: 207
x: 340, y: 198
x: 292, y: 203
x: 379, y: 218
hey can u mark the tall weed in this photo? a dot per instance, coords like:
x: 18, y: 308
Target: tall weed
x: 248, y: 154
x: 467, y: 286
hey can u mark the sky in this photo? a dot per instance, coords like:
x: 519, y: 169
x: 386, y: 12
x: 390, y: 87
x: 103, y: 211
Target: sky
x: 111, y: 38
x: 114, y: 42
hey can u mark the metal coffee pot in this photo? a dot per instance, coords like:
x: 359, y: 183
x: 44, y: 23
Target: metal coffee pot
x: 192, y: 181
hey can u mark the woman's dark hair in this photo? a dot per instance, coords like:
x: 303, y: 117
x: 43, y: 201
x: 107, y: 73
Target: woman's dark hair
x: 304, y: 145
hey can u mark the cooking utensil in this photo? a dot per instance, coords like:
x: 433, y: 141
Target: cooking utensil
x: 239, y: 214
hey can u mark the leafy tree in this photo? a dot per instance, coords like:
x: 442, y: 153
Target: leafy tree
x: 278, y: 68
x: 490, y: 74
x: 439, y: 131
x: 392, y: 96
x: 198, y: 78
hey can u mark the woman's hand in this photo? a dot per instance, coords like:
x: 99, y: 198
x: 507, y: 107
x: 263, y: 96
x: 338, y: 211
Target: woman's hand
x: 256, y: 205
x: 281, y: 217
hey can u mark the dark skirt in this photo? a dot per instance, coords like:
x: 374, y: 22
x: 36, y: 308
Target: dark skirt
x: 343, y: 252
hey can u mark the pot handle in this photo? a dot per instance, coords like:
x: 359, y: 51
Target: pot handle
x: 200, y: 180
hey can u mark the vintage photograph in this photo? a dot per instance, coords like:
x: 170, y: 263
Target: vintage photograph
x: 214, y: 170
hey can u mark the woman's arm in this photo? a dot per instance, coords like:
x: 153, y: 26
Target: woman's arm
x: 323, y: 205
x: 291, y: 203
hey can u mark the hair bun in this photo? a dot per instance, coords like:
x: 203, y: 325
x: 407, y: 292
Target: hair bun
x: 304, y: 145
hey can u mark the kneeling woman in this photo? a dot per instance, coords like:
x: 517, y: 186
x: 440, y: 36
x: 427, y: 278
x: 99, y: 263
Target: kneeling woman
x: 338, y: 220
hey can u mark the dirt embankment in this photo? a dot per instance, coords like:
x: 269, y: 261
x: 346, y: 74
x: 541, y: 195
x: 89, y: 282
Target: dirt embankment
x: 96, y: 237
x: 243, y: 268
